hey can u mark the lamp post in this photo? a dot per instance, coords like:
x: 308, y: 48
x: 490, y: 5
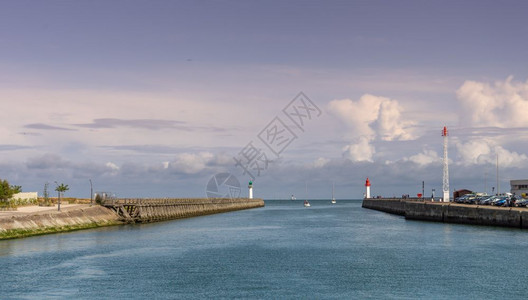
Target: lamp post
x: 91, y: 193
x: 58, y: 196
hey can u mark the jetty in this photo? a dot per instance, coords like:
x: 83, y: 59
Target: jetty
x: 152, y: 210
x: 35, y: 220
x: 449, y: 212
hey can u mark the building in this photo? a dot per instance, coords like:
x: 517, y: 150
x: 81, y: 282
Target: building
x: 519, y: 187
x: 460, y: 193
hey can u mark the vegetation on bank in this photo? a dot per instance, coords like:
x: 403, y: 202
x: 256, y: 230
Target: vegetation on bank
x: 6, y: 193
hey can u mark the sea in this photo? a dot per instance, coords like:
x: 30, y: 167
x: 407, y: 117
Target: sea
x: 281, y: 251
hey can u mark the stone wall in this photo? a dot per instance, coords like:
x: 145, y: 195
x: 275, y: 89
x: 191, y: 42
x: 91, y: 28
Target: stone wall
x: 452, y: 212
x: 393, y: 206
x: 56, y: 221
x: 152, y: 210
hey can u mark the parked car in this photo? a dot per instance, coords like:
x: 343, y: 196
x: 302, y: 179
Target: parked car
x: 462, y: 199
x: 521, y: 202
x: 470, y: 199
x: 487, y: 200
x: 500, y: 201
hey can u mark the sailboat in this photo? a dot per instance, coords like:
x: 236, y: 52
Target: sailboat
x: 333, y: 198
x: 306, y: 203
x: 293, y: 197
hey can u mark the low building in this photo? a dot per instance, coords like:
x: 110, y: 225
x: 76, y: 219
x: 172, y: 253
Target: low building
x: 460, y: 193
x: 519, y: 187
x: 26, y: 196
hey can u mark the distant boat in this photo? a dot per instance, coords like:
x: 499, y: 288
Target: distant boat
x: 333, y: 198
x: 293, y: 198
x: 306, y: 203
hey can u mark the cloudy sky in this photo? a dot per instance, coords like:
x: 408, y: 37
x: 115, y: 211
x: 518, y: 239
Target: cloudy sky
x: 153, y: 98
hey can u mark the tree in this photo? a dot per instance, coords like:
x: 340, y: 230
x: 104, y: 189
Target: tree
x: 46, y: 195
x: 6, y: 191
x: 16, y: 188
x: 61, y: 189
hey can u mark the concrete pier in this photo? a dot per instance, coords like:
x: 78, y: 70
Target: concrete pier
x: 416, y: 209
x: 152, y: 210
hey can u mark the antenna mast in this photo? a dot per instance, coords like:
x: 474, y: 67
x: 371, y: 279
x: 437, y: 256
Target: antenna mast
x: 445, y: 186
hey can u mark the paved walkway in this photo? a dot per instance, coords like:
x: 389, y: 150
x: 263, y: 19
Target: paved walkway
x: 36, y: 210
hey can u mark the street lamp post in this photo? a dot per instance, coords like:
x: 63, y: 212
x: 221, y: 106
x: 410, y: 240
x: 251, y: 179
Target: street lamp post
x: 91, y: 193
x: 58, y: 196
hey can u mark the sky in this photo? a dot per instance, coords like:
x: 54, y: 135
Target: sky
x: 156, y: 98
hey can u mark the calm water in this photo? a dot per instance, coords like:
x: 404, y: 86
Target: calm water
x: 278, y: 252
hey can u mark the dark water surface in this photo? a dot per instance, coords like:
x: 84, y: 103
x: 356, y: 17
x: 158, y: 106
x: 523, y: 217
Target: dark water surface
x: 281, y: 251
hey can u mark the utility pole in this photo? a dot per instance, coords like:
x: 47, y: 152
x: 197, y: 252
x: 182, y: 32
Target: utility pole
x: 58, y: 196
x: 91, y: 193
x: 498, y: 183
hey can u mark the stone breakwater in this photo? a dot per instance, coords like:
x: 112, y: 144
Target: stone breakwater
x: 452, y: 212
x: 52, y: 221
x: 152, y: 210
x: 114, y: 212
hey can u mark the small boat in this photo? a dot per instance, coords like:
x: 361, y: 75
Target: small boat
x: 306, y: 203
x: 333, y: 198
x: 293, y: 197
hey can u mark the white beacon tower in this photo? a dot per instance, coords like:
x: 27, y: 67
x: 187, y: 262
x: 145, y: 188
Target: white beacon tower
x: 367, y: 187
x: 250, y: 186
x: 445, y: 185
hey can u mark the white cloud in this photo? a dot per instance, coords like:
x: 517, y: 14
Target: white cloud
x: 427, y: 157
x: 502, y: 104
x: 374, y: 117
x: 389, y: 124
x: 192, y: 163
x: 112, y: 166
x: 362, y: 150
x: 320, y: 162
x: 370, y: 118
x: 483, y: 151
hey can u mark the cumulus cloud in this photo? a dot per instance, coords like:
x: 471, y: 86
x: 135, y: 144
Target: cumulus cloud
x: 320, y: 162
x: 479, y: 152
x: 424, y: 158
x: 389, y: 124
x: 193, y: 163
x: 501, y: 104
x: 374, y: 117
x: 370, y: 118
x: 362, y: 150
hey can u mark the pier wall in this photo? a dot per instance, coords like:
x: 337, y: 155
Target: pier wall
x: 152, y: 210
x: 54, y: 221
x: 393, y: 206
x: 452, y: 212
x: 119, y: 211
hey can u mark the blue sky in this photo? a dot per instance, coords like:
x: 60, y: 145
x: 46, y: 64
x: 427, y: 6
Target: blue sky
x: 152, y: 98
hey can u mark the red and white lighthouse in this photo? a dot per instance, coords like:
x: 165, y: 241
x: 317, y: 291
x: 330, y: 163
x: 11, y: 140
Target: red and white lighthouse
x: 367, y: 187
